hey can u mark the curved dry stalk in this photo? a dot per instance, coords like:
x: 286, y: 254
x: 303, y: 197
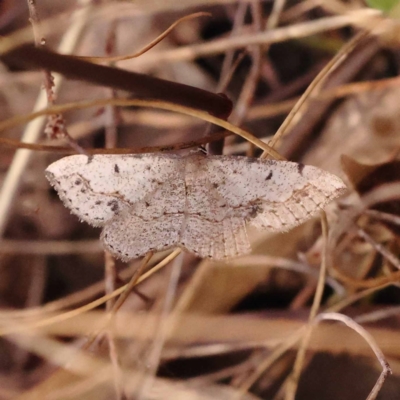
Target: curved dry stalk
x: 14, y: 121
x: 16, y: 144
x: 187, y: 53
x: 149, y: 46
x: 132, y: 283
x: 75, y: 298
x: 79, y: 297
x: 254, y: 113
x: 298, y: 110
x: 386, y: 370
x: 95, y: 371
x: 269, y: 361
x: 34, y: 129
x: 107, y: 326
x: 381, y: 281
x: 324, y: 266
x: 293, y: 380
x: 20, y: 326
x: 58, y: 353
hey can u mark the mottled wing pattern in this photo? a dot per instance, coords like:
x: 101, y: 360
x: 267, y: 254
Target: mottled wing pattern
x: 211, y: 229
x: 100, y: 187
x: 218, y: 240
x: 280, y: 194
x: 128, y: 236
x: 155, y: 202
x: 152, y: 224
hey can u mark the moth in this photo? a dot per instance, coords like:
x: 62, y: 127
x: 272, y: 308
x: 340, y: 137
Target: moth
x: 200, y: 203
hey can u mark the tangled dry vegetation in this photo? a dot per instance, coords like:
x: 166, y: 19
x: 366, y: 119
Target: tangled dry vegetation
x: 310, y: 314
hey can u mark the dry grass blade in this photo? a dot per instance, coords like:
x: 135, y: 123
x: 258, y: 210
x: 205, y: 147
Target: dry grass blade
x: 132, y: 283
x: 296, y: 112
x: 293, y: 380
x: 263, y: 38
x: 144, y: 103
x: 33, y: 130
x: 149, y: 46
x: 20, y: 327
x: 372, y: 343
x: 170, y: 325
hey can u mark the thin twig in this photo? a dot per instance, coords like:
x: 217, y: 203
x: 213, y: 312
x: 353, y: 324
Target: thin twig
x: 40, y: 40
x: 140, y: 85
x: 227, y: 65
x: 293, y: 380
x: 298, y: 110
x: 16, y: 144
x: 269, y: 361
x: 299, y: 9
x: 340, y: 305
x: 110, y: 142
x: 276, y: 12
x: 87, y: 307
x: 380, y: 194
x: 260, y: 261
x: 55, y: 127
x: 158, y: 39
x: 379, y: 248
x: 392, y: 218
x: 247, y: 93
x: 110, y: 280
x: 14, y: 121
x: 164, y: 330
x: 34, y: 297
x: 256, y: 112
x: 378, y: 315
x: 386, y: 370
x: 132, y: 283
x: 107, y: 326
x: 33, y: 130
x: 277, y: 35
x: 89, y: 292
